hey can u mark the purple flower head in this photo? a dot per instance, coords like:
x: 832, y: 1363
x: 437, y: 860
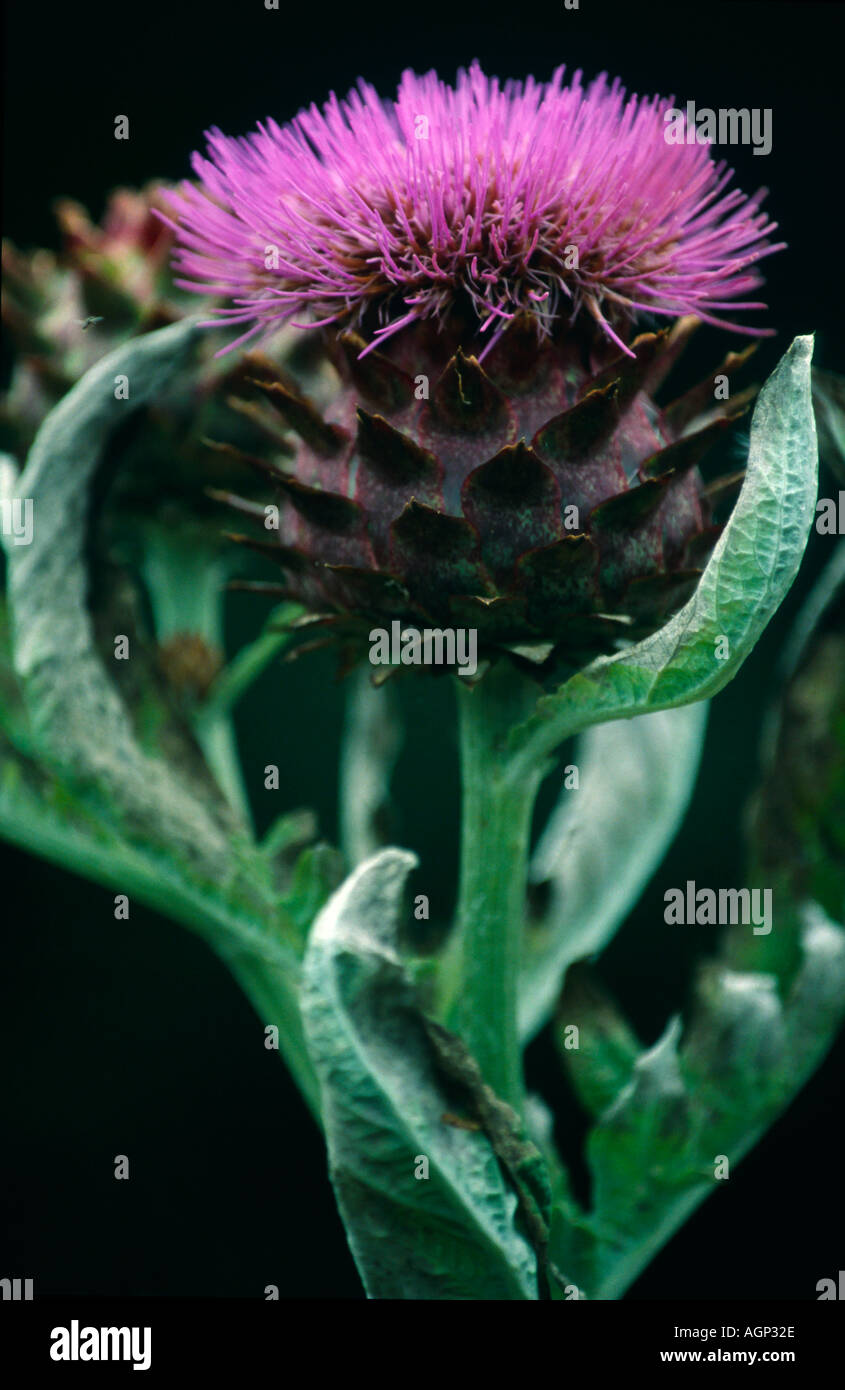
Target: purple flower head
x: 529, y: 196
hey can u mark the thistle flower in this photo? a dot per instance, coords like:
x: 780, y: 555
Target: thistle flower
x: 542, y: 496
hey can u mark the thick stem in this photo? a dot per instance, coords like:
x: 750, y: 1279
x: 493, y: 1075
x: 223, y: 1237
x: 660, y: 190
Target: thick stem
x: 481, y: 973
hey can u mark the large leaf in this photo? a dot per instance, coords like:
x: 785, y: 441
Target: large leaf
x: 660, y: 1147
x: 74, y: 706
x: 604, y: 841
x: 765, y: 1011
x: 78, y: 784
x: 387, y: 1106
x: 751, y: 569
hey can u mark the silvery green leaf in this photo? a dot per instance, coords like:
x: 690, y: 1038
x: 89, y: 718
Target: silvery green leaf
x: 748, y: 574
x: 816, y: 1003
x: 427, y: 1209
x: 735, y: 1052
x: 76, y: 784
x: 642, y: 1157
x: 74, y: 705
x: 693, y: 1106
x: 752, y: 1042
x: 604, y: 841
x: 9, y: 472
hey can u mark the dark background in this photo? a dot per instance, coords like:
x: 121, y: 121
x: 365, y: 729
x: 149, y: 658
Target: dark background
x: 130, y: 1037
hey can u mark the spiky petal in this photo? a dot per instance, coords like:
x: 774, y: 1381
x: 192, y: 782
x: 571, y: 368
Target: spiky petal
x: 550, y: 198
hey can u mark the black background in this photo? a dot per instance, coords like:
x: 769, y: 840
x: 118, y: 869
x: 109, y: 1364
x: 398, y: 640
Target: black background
x: 130, y: 1037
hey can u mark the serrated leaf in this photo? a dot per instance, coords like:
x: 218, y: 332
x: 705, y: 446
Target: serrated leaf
x: 750, y: 1046
x: 642, y: 1142
x: 451, y: 1235
x: 765, y: 1012
x: 604, y: 841
x: 735, y: 1051
x: 692, y: 1103
x: 646, y: 1176
x: 749, y: 572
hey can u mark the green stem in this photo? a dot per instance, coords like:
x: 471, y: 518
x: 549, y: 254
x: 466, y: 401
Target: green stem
x: 481, y: 970
x: 185, y: 583
x: 247, y: 665
x: 216, y: 738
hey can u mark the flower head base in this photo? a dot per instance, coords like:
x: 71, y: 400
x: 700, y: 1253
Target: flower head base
x: 533, y: 197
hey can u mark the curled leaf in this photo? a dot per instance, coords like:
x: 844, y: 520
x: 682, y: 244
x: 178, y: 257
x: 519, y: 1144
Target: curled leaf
x: 748, y: 574
x: 428, y: 1210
